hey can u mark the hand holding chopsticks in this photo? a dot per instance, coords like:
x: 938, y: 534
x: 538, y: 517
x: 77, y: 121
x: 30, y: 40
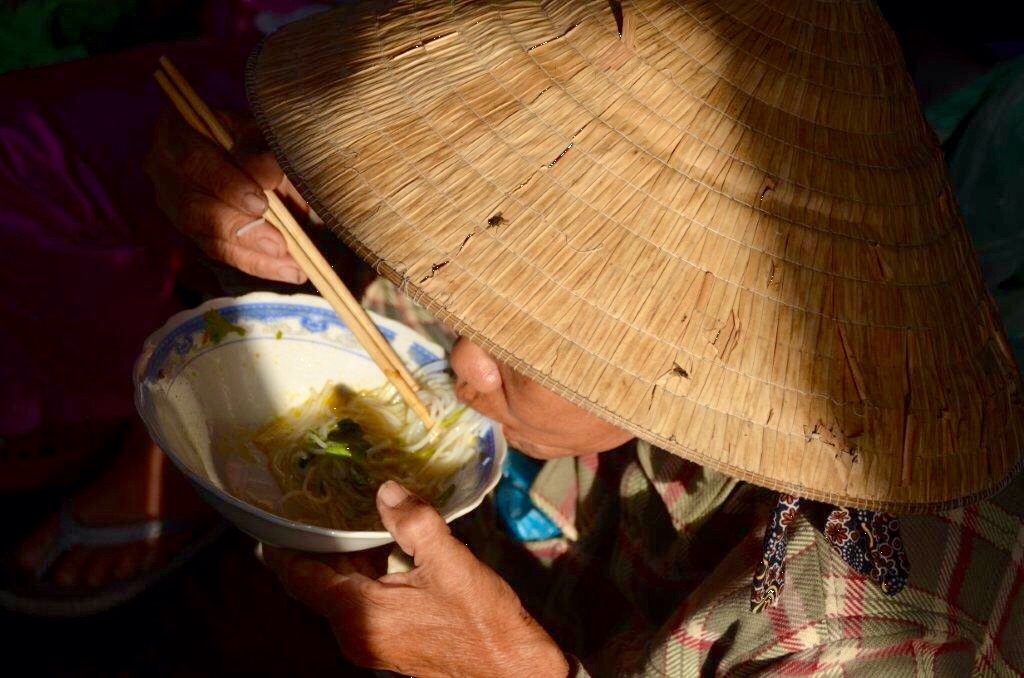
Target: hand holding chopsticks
x: 305, y: 253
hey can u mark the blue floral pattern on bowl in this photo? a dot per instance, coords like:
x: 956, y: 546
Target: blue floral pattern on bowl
x: 229, y: 329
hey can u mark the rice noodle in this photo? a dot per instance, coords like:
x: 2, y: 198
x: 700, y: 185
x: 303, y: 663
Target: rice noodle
x: 322, y: 487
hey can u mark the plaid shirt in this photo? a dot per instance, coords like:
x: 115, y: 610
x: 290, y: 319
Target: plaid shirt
x: 652, y: 575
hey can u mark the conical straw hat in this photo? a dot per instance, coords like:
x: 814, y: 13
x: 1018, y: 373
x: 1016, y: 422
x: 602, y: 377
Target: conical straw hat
x: 723, y: 225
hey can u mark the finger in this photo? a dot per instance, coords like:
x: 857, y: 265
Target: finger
x: 200, y: 215
x: 264, y: 170
x: 260, y: 236
x: 274, y: 557
x: 243, y: 130
x: 418, y: 529
x: 347, y: 563
x: 254, y: 246
x: 207, y: 167
x: 315, y: 584
x: 254, y: 263
x: 475, y: 367
x: 260, y: 164
x: 342, y: 563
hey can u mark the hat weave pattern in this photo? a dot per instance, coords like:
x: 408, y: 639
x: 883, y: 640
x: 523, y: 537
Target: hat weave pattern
x: 723, y: 225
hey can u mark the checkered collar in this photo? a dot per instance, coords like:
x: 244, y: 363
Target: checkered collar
x: 868, y: 541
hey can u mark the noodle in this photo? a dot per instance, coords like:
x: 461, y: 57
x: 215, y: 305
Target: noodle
x: 329, y: 455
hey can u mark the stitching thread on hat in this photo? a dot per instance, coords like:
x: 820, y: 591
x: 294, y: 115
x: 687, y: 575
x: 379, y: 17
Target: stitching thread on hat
x: 888, y: 64
x: 805, y: 22
x: 869, y: 281
x: 698, y: 405
x: 775, y: 67
x: 711, y: 461
x: 810, y: 394
x: 764, y: 133
x: 780, y: 302
x: 939, y: 236
x: 561, y: 35
x: 671, y: 254
x: 668, y: 76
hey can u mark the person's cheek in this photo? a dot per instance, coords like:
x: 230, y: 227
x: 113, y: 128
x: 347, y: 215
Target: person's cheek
x: 491, y: 405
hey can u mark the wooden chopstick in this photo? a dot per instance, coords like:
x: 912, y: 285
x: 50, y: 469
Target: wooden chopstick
x: 287, y: 222
x: 179, y: 103
x: 222, y: 136
x: 195, y: 111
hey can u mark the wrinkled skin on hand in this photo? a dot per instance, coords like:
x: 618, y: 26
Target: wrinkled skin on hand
x: 450, y: 615
x: 216, y: 198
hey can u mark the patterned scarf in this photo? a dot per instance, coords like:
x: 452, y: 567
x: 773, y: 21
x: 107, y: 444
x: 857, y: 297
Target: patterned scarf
x: 869, y: 542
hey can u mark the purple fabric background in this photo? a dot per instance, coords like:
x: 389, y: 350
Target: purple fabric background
x: 87, y: 261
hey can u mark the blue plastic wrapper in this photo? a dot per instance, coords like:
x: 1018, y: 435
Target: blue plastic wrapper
x: 516, y: 511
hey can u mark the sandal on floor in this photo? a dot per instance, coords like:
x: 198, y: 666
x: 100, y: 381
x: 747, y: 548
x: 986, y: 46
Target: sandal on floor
x: 37, y: 597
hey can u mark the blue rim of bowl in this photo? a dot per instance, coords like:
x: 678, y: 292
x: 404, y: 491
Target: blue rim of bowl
x: 140, y: 373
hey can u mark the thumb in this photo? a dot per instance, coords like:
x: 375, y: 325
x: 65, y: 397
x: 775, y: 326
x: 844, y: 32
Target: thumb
x: 419, y: 529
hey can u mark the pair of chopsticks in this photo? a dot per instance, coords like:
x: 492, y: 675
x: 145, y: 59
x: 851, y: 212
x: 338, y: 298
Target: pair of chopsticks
x: 197, y: 114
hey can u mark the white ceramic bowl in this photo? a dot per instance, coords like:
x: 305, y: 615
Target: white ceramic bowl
x: 192, y: 387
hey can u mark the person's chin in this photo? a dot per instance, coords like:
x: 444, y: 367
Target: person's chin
x: 536, y: 450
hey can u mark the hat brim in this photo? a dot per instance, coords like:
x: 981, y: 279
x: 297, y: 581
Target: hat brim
x: 718, y: 230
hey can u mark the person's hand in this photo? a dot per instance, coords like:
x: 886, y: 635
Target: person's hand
x: 450, y: 615
x: 209, y: 195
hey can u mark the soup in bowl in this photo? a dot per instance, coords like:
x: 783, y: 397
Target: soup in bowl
x: 284, y: 424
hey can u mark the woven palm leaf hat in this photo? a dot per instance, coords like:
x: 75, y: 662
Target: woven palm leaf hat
x: 723, y: 225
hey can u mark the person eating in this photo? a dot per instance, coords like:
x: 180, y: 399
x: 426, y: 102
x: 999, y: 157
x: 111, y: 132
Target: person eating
x: 705, y: 265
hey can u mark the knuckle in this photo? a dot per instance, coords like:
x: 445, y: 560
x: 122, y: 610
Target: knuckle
x: 422, y: 523
x: 229, y: 254
x: 366, y: 589
x: 375, y: 595
x: 243, y: 260
x: 213, y: 218
x: 261, y: 266
x: 464, y: 392
x: 222, y: 182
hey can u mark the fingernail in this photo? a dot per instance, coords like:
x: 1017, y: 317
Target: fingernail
x: 291, y: 274
x: 270, y: 247
x: 254, y: 204
x: 392, y: 494
x: 248, y: 227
